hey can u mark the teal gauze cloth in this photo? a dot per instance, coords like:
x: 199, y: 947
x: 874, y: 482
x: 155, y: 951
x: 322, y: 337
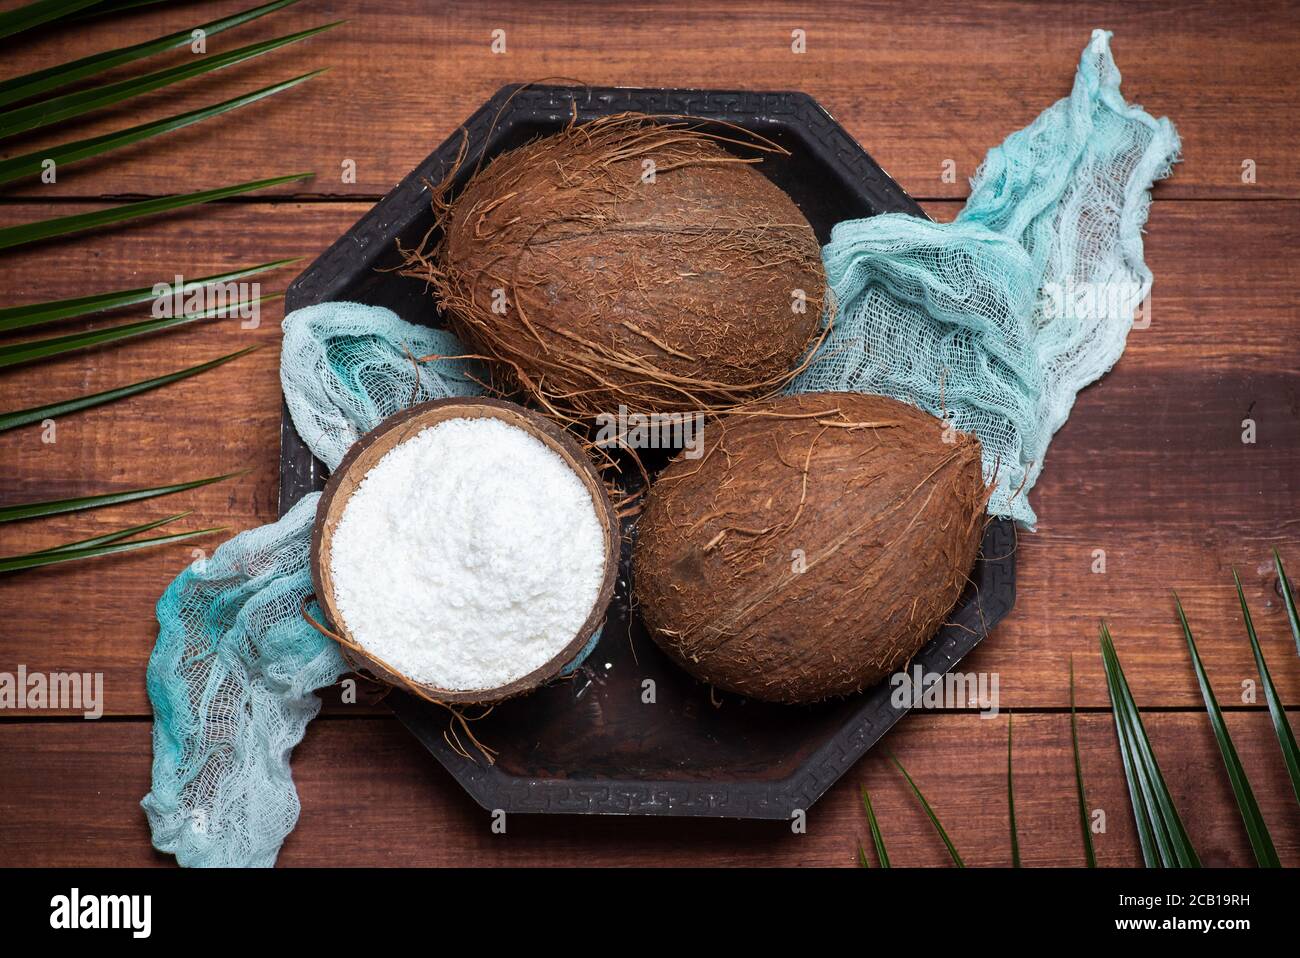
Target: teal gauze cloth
x: 232, y: 675
x: 996, y: 320
x: 993, y: 322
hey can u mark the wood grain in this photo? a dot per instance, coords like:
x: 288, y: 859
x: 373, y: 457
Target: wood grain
x: 1149, y: 468
x: 371, y: 796
x: 918, y: 87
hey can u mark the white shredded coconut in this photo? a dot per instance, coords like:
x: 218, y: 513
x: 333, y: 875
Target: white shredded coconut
x: 470, y: 555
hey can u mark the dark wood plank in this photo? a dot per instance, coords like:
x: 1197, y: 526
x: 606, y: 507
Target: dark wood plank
x: 936, y: 82
x: 1149, y: 468
x: 371, y: 796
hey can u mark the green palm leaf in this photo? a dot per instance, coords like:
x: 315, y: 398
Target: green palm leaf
x: 934, y: 819
x: 31, y: 164
x: 34, y: 560
x: 53, y: 507
x: 25, y: 417
x: 59, y: 109
x: 38, y: 314
x: 106, y: 8
x: 1285, y: 737
x: 1011, y: 802
x: 61, y: 226
x: 51, y: 78
x: 1256, y: 829
x: 28, y: 104
x: 876, y: 838
x: 34, y: 14
x: 53, y: 346
x: 1152, y: 833
x: 113, y: 536
x: 1078, y: 777
x: 1288, y: 599
x: 1161, y: 834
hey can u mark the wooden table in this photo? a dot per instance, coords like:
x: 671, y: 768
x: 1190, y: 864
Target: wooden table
x: 1151, y: 467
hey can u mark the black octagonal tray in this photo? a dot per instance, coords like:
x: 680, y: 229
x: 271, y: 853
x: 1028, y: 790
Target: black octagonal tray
x: 595, y: 745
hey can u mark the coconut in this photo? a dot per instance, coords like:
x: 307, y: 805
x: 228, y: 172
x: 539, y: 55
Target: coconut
x: 630, y: 262
x: 818, y: 542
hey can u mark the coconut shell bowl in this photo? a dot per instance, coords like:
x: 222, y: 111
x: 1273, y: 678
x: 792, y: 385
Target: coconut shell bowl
x: 366, y: 453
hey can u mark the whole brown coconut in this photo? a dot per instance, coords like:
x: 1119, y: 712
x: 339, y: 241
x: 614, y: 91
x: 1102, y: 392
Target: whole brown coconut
x: 815, y: 546
x: 628, y: 261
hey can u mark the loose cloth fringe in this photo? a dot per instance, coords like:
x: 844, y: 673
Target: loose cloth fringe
x: 996, y: 320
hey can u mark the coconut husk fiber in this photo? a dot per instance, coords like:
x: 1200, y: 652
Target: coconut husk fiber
x: 817, y: 544
x: 590, y: 283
